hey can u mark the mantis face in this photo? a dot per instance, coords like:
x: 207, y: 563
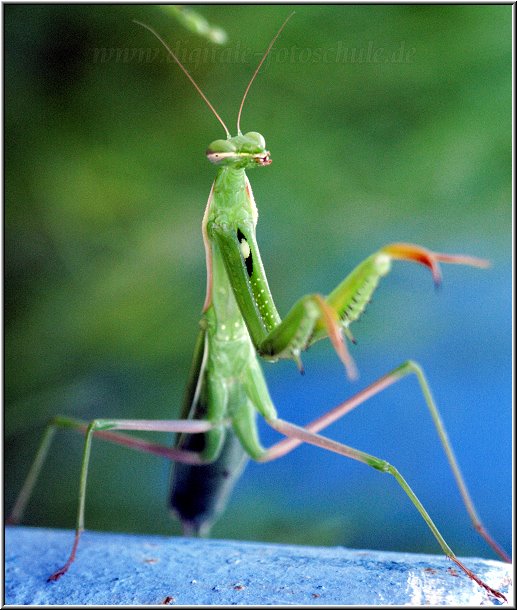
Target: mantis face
x: 241, y: 152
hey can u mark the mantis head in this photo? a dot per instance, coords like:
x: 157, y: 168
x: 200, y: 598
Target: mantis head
x: 241, y: 152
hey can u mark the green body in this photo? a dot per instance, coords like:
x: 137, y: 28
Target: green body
x: 240, y: 322
x: 226, y: 378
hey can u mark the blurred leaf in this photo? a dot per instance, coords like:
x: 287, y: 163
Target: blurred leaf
x: 195, y: 22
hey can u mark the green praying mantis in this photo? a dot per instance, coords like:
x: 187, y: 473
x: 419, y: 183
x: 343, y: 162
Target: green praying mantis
x: 226, y: 389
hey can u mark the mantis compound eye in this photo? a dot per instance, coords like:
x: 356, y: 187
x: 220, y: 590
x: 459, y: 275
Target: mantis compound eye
x: 256, y: 139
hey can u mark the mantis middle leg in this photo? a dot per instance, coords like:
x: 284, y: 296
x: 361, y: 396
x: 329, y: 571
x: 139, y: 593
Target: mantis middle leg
x: 105, y: 429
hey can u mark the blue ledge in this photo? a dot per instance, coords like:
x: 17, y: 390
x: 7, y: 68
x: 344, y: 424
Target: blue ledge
x: 123, y: 569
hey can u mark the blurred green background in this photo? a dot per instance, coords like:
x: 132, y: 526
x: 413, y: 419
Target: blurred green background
x: 105, y: 187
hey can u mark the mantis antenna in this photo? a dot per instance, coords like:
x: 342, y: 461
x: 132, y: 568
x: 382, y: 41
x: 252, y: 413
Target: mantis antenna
x: 257, y: 70
x: 198, y: 89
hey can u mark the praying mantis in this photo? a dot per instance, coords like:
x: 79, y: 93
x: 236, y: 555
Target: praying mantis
x: 226, y: 388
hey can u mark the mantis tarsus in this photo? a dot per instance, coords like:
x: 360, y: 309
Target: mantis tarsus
x: 226, y: 388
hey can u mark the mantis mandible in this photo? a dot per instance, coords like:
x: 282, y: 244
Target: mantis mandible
x: 226, y: 389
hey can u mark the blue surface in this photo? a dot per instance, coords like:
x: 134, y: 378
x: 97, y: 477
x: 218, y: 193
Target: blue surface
x: 122, y: 569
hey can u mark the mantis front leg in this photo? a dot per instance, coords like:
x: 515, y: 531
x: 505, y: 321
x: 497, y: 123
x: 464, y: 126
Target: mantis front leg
x: 312, y: 317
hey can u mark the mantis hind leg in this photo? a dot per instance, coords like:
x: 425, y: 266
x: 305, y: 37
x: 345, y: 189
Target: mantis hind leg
x: 104, y: 429
x: 407, y: 368
x: 303, y: 435
x: 309, y: 434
